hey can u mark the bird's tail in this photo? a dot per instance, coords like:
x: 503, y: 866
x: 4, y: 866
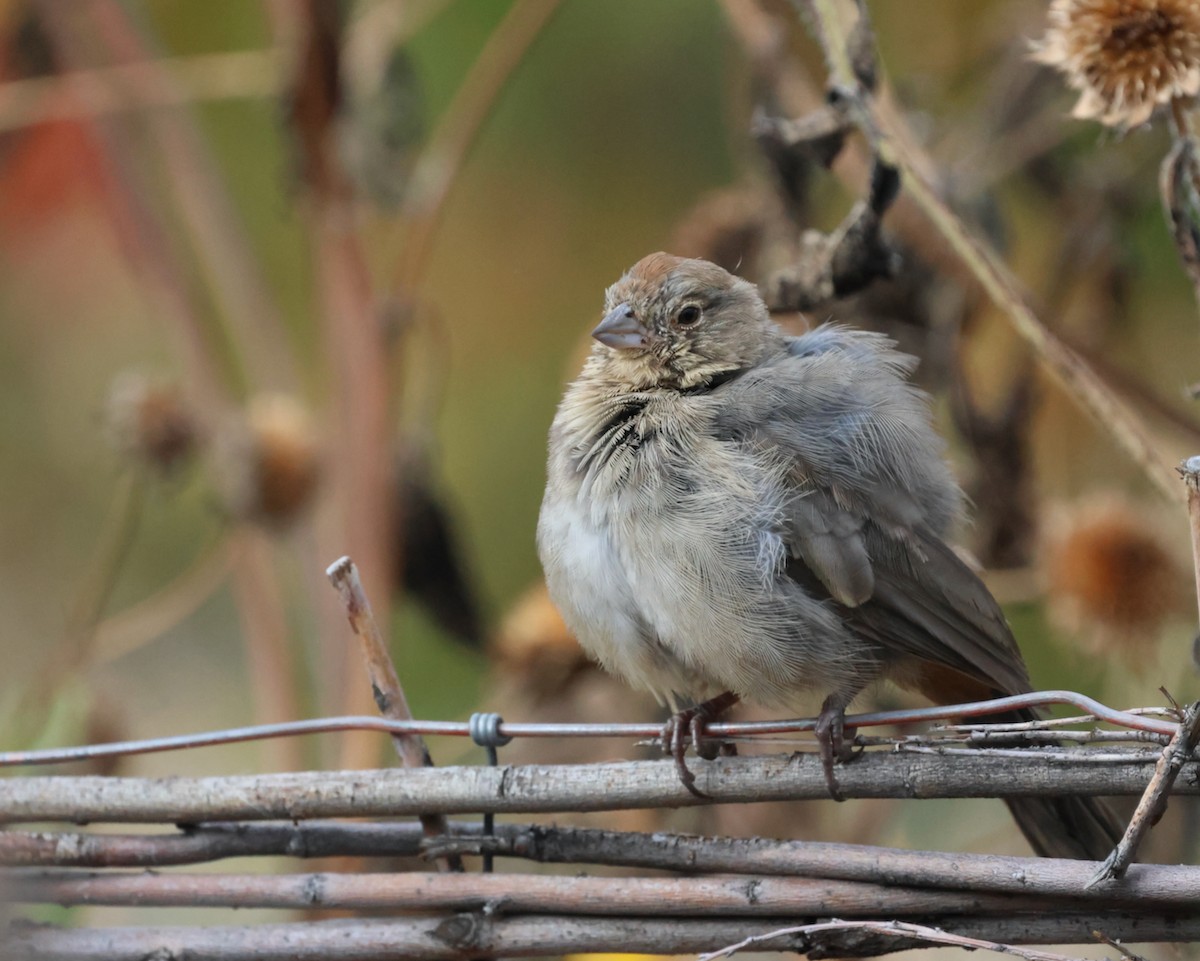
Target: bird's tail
x: 1083, y: 828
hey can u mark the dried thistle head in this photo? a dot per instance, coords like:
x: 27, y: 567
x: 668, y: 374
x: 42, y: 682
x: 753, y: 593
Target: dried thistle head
x: 268, y: 463
x: 1112, y: 576
x: 1125, y: 57
x: 149, y: 422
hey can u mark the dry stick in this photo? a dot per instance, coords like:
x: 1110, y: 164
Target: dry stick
x: 555, y: 788
x: 75, y: 649
x: 524, y: 893
x: 385, y: 683
x: 890, y: 928
x: 893, y: 143
x: 437, y: 168
x: 1147, y: 884
x: 1154, y: 801
x: 145, y: 236
x: 195, y: 185
x: 84, y: 94
x: 146, y: 620
x: 482, y: 934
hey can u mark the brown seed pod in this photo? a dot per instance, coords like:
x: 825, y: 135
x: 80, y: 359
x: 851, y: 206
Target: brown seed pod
x: 1112, y: 577
x: 269, y: 462
x: 1125, y: 57
x: 149, y: 422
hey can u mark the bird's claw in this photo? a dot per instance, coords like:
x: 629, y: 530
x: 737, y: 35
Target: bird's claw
x: 688, y: 726
x: 836, y: 742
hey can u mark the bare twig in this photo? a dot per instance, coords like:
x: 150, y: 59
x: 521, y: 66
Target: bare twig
x: 385, y: 683
x: 228, y: 75
x: 437, y: 168
x: 482, y: 934
x: 584, y: 787
x: 127, y: 630
x: 197, y: 191
x: 1190, y: 471
x: 1154, y: 801
x: 894, y: 145
x: 263, y: 617
x: 898, y: 929
x: 1144, y: 884
x: 527, y: 893
x: 75, y: 649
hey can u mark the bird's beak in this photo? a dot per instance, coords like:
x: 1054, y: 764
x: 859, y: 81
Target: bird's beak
x: 621, y: 329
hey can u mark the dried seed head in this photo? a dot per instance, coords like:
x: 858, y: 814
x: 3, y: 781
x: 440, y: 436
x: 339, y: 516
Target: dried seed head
x: 149, y: 422
x: 1125, y: 57
x: 268, y: 463
x: 1112, y: 576
x: 534, y: 646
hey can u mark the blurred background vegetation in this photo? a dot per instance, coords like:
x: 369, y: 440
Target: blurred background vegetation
x: 279, y: 279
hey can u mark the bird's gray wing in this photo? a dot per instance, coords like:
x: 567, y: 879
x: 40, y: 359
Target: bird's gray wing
x: 869, y: 496
x: 853, y: 445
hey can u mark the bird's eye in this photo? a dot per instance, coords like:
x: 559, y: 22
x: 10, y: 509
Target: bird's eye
x: 689, y: 316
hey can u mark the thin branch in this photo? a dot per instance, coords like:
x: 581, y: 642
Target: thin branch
x: 1144, y: 884
x: 582, y: 787
x: 482, y: 934
x: 893, y: 143
x: 75, y: 649
x: 438, y: 166
x: 385, y: 683
x: 88, y: 94
x: 198, y: 191
x: 127, y: 630
x: 525, y: 893
x: 898, y: 929
x: 1154, y: 801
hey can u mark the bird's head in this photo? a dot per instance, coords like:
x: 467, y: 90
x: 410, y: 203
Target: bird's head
x: 672, y: 322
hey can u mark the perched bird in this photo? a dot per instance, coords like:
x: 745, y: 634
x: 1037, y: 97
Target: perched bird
x: 735, y: 513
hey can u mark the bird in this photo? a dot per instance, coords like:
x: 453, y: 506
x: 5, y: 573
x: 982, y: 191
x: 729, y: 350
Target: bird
x: 734, y: 513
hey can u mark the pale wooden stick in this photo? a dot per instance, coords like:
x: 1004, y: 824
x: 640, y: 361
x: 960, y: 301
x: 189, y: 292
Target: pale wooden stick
x: 385, y: 683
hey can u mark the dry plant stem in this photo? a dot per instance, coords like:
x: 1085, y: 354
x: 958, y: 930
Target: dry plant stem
x: 1143, y: 885
x: 360, y: 456
x: 555, y: 788
x: 84, y: 94
x: 127, y: 630
x: 385, y: 683
x: 440, y: 162
x: 1154, y: 801
x: 891, y: 140
x: 144, y: 236
x: 75, y: 648
x: 1190, y: 471
x: 482, y: 934
x: 525, y: 893
x: 932, y: 936
x: 230, y: 268
x: 269, y: 656
x: 688, y: 897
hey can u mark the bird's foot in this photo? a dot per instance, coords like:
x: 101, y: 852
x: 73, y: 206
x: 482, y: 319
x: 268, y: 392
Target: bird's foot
x: 835, y: 741
x: 688, y: 727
